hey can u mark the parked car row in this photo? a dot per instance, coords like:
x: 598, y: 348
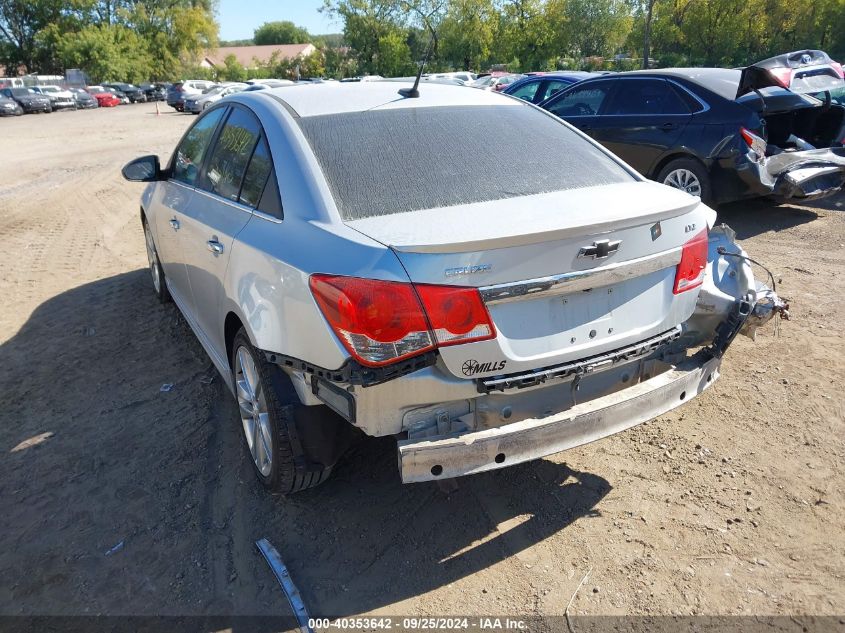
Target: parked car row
x: 15, y: 101
x: 194, y: 95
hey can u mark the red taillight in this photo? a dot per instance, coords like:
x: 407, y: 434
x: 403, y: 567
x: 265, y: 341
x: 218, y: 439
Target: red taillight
x: 837, y: 68
x: 782, y: 75
x: 381, y: 322
x: 756, y: 143
x: 691, y: 269
x: 457, y: 315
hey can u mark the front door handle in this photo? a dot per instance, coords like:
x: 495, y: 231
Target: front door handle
x: 215, y: 247
x: 174, y: 223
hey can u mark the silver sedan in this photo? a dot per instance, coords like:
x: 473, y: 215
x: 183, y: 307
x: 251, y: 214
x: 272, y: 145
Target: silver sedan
x: 455, y: 268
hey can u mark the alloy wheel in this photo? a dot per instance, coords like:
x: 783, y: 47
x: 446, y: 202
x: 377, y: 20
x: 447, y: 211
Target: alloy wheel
x: 253, y: 410
x: 684, y: 180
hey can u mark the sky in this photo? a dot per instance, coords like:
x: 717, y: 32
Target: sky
x: 239, y: 18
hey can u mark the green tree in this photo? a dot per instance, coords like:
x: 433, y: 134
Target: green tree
x: 597, y: 27
x: 20, y: 23
x: 468, y: 33
x: 283, y: 32
x: 376, y: 31
x: 106, y: 53
x: 232, y: 70
x: 309, y: 66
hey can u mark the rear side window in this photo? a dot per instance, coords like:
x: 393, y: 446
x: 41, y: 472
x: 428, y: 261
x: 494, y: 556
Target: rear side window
x: 230, y: 156
x: 526, y: 91
x: 189, y: 155
x: 259, y: 189
x: 583, y: 101
x: 388, y: 161
x: 645, y: 96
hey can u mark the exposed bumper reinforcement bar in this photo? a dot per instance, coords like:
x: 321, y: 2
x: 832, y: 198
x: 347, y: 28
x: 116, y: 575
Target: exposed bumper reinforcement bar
x: 479, y: 451
x: 583, y: 366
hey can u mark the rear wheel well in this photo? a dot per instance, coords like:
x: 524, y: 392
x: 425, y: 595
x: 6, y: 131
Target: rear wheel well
x: 230, y: 327
x: 668, y: 159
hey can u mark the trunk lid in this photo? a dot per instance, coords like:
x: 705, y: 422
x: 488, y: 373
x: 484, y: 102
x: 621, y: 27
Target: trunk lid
x: 565, y: 275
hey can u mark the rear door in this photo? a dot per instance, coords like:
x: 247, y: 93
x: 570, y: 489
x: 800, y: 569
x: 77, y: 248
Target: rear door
x: 643, y: 119
x: 172, y: 198
x: 219, y: 210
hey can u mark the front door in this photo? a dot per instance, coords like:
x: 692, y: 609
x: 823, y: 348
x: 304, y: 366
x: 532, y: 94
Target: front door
x: 581, y: 105
x: 172, y: 200
x: 216, y: 214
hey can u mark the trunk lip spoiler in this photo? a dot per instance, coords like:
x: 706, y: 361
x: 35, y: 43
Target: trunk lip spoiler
x: 580, y: 280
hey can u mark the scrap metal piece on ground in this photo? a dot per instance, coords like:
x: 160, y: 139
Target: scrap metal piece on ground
x: 283, y: 576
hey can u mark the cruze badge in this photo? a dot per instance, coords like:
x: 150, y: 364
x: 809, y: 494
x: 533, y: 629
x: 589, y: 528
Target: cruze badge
x: 600, y: 249
x: 468, y: 270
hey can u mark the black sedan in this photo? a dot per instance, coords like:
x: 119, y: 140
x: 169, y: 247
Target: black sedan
x: 9, y: 107
x: 719, y: 134
x: 29, y: 100
x: 154, y: 92
x: 133, y: 93
x: 84, y: 100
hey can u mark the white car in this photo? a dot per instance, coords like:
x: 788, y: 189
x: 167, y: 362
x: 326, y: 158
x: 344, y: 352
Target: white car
x: 460, y: 270
x: 58, y: 98
x: 463, y: 76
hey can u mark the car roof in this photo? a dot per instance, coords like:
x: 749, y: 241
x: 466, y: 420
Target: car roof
x: 723, y: 81
x: 316, y: 99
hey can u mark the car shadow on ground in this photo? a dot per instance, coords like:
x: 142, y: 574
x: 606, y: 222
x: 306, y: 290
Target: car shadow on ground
x: 126, y: 486
x: 753, y: 217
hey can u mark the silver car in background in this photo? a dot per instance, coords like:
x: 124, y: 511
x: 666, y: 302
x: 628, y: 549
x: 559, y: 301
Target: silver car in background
x: 198, y: 103
x: 460, y: 270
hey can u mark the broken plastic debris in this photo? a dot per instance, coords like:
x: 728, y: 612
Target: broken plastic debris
x: 168, y: 386
x: 115, y: 549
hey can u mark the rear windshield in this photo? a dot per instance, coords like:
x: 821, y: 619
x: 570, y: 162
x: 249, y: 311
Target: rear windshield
x: 391, y: 161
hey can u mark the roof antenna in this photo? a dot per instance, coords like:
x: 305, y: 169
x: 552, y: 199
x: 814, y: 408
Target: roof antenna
x: 413, y: 93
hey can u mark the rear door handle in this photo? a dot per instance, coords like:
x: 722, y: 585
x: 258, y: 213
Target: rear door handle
x: 215, y: 247
x: 174, y: 223
x: 668, y: 126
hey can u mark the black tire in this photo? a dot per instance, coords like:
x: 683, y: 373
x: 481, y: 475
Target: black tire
x: 693, y: 166
x: 290, y: 470
x: 160, y: 286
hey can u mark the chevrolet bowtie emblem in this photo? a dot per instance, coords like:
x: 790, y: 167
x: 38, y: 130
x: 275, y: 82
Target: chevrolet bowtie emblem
x: 600, y: 249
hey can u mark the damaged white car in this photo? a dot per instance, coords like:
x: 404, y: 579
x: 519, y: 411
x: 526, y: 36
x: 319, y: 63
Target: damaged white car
x: 454, y: 268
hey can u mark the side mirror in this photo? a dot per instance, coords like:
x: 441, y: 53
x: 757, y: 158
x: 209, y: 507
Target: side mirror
x: 144, y: 169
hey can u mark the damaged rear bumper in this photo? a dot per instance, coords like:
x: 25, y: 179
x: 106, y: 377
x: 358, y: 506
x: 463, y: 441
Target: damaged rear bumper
x: 479, y: 451
x: 802, y: 175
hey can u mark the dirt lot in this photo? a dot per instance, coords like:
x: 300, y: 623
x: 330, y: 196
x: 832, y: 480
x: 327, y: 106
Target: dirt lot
x: 731, y: 505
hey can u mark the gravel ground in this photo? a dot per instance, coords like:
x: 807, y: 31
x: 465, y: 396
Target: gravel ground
x: 732, y: 504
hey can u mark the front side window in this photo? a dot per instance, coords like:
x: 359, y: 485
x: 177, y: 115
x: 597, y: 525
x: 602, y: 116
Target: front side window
x: 646, y: 96
x: 230, y: 156
x: 188, y: 158
x: 584, y: 101
x: 550, y: 87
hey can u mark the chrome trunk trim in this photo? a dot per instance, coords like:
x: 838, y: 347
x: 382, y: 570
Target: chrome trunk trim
x: 580, y: 280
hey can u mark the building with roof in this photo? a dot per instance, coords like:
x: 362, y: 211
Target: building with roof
x: 254, y: 56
